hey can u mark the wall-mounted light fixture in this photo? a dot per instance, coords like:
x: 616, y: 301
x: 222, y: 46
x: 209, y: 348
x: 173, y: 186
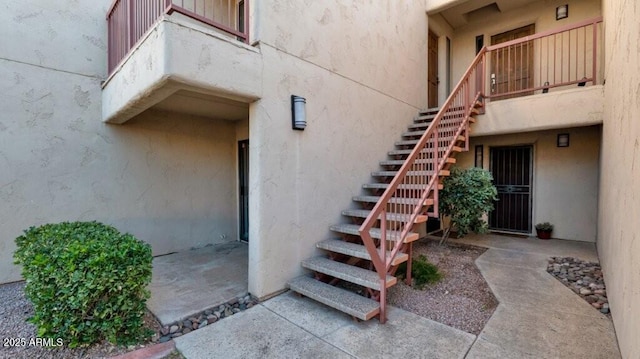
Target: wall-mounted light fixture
x: 562, y: 12
x: 479, y: 156
x: 563, y: 140
x: 298, y: 113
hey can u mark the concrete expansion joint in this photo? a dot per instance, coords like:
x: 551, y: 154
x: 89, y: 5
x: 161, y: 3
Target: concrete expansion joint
x: 339, y: 74
x: 305, y: 330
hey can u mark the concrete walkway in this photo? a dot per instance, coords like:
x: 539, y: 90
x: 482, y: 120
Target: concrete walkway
x: 538, y: 317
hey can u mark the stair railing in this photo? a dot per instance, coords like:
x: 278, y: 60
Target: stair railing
x: 411, y: 188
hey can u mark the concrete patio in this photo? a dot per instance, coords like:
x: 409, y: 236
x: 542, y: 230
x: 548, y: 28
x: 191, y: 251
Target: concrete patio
x: 537, y: 317
x: 189, y: 282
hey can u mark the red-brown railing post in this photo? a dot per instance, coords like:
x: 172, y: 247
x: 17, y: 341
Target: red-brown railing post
x: 247, y: 23
x: 595, y: 50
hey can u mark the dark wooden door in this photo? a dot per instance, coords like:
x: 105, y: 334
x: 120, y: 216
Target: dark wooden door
x: 432, y: 70
x: 512, y: 66
x: 243, y: 179
x: 512, y: 169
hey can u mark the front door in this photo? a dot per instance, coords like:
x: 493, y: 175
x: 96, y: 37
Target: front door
x: 433, y: 70
x: 243, y: 179
x: 512, y: 66
x: 512, y: 175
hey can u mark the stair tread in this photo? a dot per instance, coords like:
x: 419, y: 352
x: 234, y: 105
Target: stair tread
x: 353, y: 274
x: 414, y: 142
x: 408, y: 151
x: 401, y: 162
x: 385, y: 185
x: 364, y: 213
x: 409, y: 173
x: 375, y: 232
x: 356, y: 250
x: 348, y: 302
x: 375, y: 199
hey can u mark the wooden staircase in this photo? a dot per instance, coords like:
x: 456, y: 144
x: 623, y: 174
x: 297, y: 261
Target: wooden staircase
x: 403, y: 193
x: 347, y: 258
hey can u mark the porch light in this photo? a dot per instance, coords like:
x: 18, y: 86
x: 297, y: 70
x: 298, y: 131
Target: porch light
x: 562, y: 12
x: 563, y: 140
x: 298, y: 113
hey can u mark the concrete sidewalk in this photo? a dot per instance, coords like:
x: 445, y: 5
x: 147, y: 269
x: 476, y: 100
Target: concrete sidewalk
x: 538, y: 317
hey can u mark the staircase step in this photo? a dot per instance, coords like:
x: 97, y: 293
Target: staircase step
x: 357, y: 250
x: 375, y: 232
x: 432, y: 110
x: 375, y: 199
x: 353, y: 274
x: 409, y: 173
x: 402, y: 186
x: 401, y: 162
x: 408, y: 151
x: 340, y: 299
x: 427, y: 121
x: 442, y: 140
x: 363, y: 213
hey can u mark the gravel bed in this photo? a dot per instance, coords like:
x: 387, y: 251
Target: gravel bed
x: 15, y: 308
x: 462, y: 299
x: 14, y: 311
x: 583, y: 278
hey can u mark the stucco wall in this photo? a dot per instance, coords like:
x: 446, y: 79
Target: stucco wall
x: 565, y: 180
x: 167, y: 179
x: 582, y: 106
x: 361, y: 66
x: 619, y: 215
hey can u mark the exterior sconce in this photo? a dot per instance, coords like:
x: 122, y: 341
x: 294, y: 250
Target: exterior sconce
x: 562, y: 12
x: 479, y: 156
x: 563, y: 140
x: 298, y: 113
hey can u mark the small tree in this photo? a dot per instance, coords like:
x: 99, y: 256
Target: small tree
x: 467, y: 195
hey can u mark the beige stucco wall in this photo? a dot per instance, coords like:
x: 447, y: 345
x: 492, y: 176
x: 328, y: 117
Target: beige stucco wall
x: 565, y: 180
x: 619, y: 215
x: 360, y: 66
x: 576, y: 107
x: 168, y: 179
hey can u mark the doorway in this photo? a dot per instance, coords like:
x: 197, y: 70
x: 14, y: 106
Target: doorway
x: 432, y: 76
x: 243, y: 190
x: 512, y: 66
x: 512, y: 170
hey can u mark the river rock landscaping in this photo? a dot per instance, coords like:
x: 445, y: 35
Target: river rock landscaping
x: 205, y: 318
x: 583, y: 278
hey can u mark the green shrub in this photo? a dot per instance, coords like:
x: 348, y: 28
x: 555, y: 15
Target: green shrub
x: 466, y: 196
x: 422, y: 271
x: 87, y: 282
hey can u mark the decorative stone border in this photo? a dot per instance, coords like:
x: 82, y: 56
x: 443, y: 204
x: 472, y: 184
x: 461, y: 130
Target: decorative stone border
x: 583, y: 278
x: 205, y: 318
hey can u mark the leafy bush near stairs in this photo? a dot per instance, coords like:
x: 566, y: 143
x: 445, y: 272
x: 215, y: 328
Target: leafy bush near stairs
x: 466, y: 196
x: 87, y: 282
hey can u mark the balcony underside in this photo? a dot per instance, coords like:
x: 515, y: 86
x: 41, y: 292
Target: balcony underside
x: 580, y: 106
x: 183, y: 68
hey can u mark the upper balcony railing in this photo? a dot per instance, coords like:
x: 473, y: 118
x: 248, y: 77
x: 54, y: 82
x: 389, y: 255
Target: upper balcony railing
x: 567, y: 56
x: 129, y: 20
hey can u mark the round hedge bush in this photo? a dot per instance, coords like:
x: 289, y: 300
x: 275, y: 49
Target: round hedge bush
x: 87, y: 282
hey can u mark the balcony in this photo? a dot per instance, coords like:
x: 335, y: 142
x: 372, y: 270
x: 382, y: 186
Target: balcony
x: 164, y: 54
x: 548, y: 80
